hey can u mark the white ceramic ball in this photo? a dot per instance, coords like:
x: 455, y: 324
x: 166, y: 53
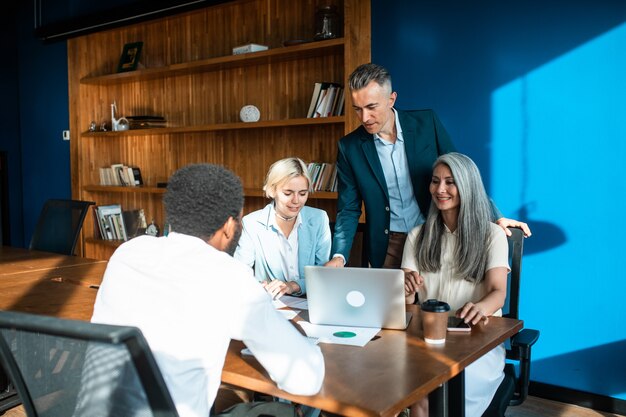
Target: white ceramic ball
x: 249, y: 113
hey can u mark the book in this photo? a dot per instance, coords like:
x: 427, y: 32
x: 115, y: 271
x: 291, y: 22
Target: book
x: 146, y: 122
x: 325, y: 101
x: 316, y: 93
x: 330, y: 101
x: 111, y: 222
x: 115, y: 176
x: 137, y: 176
x: 97, y: 232
x: 251, y: 47
x: 340, y: 103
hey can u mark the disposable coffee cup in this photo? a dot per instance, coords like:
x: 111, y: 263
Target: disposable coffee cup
x: 435, y: 321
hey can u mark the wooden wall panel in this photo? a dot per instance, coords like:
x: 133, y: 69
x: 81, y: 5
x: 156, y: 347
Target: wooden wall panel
x: 188, y: 75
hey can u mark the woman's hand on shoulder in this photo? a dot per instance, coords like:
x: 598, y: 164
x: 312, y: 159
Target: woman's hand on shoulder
x: 505, y: 223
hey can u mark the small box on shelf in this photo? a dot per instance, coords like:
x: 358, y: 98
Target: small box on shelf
x: 251, y: 47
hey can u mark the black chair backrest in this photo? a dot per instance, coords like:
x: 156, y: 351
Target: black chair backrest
x: 516, y: 249
x: 59, y: 224
x: 70, y: 368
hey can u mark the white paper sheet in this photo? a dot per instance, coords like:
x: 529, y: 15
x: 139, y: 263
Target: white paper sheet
x: 291, y: 302
x: 332, y: 334
x: 289, y: 314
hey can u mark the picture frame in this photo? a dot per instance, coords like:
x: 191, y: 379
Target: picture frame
x: 130, y: 57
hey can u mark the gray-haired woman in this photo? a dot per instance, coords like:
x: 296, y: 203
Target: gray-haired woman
x: 460, y: 256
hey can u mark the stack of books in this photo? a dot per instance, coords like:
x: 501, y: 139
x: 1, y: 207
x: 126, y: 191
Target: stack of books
x: 327, y: 100
x: 323, y: 176
x: 146, y: 122
x: 112, y: 223
x: 121, y: 175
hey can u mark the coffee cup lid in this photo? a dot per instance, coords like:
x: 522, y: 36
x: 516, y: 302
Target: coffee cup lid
x: 435, y: 306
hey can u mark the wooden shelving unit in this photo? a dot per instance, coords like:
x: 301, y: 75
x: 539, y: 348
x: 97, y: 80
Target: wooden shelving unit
x: 191, y: 78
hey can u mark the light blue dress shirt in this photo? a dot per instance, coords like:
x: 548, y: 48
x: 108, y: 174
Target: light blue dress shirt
x: 404, y: 211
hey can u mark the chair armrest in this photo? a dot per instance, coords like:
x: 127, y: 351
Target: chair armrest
x: 521, y: 344
x: 523, y: 341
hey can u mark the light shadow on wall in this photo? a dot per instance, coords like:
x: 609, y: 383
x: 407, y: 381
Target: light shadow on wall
x: 558, y: 153
x: 585, y: 365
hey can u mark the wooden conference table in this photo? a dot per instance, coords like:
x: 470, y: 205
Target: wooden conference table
x: 392, y: 371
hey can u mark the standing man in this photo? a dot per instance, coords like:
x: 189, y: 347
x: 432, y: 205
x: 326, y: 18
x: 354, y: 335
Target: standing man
x: 190, y: 297
x: 386, y: 164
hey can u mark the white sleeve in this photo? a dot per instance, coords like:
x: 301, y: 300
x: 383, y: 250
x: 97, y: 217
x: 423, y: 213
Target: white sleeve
x: 292, y: 361
x: 498, y: 255
x: 409, y: 259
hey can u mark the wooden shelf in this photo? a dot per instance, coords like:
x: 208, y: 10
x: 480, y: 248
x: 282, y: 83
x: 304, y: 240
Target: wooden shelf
x: 224, y: 126
x: 111, y: 243
x: 119, y: 189
x: 192, y: 80
x: 248, y: 192
x: 301, y: 51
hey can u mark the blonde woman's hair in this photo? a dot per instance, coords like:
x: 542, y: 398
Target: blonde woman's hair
x: 284, y: 170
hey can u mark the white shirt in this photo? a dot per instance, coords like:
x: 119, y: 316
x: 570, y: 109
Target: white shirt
x: 287, y: 246
x: 189, y: 300
x: 446, y: 284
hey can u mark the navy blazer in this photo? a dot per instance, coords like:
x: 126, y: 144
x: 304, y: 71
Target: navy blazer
x: 361, y: 180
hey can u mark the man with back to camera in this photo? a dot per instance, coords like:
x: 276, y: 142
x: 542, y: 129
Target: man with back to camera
x: 190, y: 297
x: 386, y: 164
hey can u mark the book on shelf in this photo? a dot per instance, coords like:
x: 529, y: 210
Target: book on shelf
x: 325, y: 99
x: 120, y: 175
x: 338, y: 111
x: 146, y: 122
x: 317, y: 88
x: 323, y: 176
x: 111, y: 222
x: 135, y: 174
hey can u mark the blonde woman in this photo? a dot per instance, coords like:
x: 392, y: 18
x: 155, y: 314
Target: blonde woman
x: 279, y: 240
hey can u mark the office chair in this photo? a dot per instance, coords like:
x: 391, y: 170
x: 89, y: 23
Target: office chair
x: 59, y: 225
x: 514, y: 388
x: 72, y: 368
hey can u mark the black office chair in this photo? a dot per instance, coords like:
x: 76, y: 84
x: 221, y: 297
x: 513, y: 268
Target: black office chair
x: 514, y: 388
x: 70, y: 368
x: 59, y: 225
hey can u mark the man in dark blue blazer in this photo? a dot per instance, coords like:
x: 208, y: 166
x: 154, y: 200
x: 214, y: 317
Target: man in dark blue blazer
x: 386, y: 164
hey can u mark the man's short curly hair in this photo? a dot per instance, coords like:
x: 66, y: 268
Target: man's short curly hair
x: 200, y: 198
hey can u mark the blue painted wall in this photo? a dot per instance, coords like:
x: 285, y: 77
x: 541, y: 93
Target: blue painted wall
x: 535, y: 92
x: 10, y: 122
x: 35, y: 112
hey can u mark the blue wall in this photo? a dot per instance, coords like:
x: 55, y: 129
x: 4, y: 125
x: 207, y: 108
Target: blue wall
x: 35, y: 112
x: 10, y: 122
x: 535, y: 92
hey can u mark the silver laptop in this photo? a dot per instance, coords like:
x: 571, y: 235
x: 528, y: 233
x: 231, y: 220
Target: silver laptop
x: 359, y: 297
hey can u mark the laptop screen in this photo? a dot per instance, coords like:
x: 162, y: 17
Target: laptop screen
x: 360, y: 297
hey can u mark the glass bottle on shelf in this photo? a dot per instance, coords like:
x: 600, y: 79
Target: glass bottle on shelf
x: 326, y: 23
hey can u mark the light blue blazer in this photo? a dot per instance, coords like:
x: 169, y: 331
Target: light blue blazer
x: 257, y: 247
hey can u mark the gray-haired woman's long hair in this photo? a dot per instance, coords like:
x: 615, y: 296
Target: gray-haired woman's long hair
x: 473, y: 225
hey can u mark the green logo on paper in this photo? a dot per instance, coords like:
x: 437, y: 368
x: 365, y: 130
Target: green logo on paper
x: 344, y: 334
